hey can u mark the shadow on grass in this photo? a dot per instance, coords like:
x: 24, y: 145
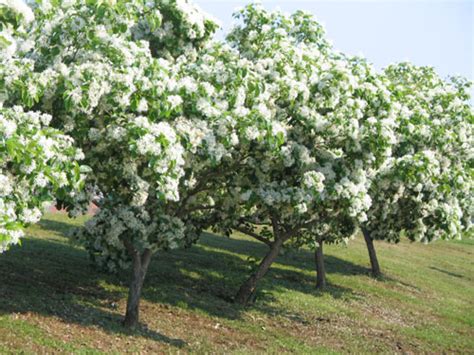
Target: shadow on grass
x: 207, y: 276
x: 57, y: 226
x: 51, y: 277
x: 301, y: 259
x: 447, y: 272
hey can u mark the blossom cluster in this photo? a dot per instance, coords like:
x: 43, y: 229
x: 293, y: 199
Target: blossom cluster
x: 37, y: 165
x: 105, y: 236
x: 425, y: 190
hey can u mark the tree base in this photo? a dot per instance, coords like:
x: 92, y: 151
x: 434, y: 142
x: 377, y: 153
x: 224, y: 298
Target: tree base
x: 130, y: 324
x: 247, y: 292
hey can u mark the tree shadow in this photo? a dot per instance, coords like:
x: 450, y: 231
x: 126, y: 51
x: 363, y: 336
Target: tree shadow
x: 207, y: 276
x: 450, y: 273
x: 57, y: 226
x: 301, y: 258
x: 51, y: 278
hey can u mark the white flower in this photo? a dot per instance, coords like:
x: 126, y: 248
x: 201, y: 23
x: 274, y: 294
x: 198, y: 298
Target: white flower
x: 246, y: 195
x: 278, y: 128
x: 301, y: 208
x: 116, y: 133
x: 372, y: 120
x: 6, y: 187
x: 142, y: 106
x: 264, y: 111
x: 47, y: 144
x: 148, y: 144
x: 41, y: 180
x: 20, y: 8
x: 31, y: 215
x: 241, y: 111
x: 188, y: 84
x: 175, y: 100
x: 7, y: 127
x: 252, y: 133
x: 314, y: 179
x: 266, y: 28
x: 164, y: 128
x: 234, y: 139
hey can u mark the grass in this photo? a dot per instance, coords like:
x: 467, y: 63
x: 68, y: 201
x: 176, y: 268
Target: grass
x: 53, y: 300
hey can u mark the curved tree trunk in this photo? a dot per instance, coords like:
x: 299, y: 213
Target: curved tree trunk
x: 320, y: 268
x: 248, y: 288
x: 140, y: 267
x: 372, y: 254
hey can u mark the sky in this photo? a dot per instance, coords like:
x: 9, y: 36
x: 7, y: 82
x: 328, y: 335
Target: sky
x: 429, y: 32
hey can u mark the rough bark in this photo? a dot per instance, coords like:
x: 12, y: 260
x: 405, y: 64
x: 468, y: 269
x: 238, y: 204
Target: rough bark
x: 248, y: 288
x: 374, y: 263
x: 140, y: 267
x: 320, y: 268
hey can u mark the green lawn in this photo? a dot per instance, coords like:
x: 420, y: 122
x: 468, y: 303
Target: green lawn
x: 53, y: 300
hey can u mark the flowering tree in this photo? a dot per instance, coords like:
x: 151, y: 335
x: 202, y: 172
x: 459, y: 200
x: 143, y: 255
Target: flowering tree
x: 37, y: 163
x: 110, y: 75
x: 318, y: 107
x: 425, y: 190
x: 363, y: 151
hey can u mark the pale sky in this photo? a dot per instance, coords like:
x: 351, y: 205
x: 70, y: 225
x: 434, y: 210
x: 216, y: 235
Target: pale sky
x: 436, y: 33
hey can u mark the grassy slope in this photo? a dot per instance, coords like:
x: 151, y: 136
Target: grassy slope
x: 52, y: 300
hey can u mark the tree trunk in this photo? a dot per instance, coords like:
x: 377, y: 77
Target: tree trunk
x: 140, y: 267
x: 320, y: 268
x: 372, y: 255
x: 247, y: 290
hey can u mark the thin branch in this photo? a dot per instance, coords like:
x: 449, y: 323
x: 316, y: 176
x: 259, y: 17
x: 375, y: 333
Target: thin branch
x: 253, y: 235
x: 246, y: 220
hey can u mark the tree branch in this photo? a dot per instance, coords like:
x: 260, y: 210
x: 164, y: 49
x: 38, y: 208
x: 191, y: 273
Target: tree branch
x: 253, y: 235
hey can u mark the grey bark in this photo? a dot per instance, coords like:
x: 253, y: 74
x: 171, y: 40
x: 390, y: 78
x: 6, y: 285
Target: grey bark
x: 248, y: 288
x: 140, y: 268
x: 374, y: 263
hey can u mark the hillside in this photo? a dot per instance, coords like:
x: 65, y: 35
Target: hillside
x: 52, y: 300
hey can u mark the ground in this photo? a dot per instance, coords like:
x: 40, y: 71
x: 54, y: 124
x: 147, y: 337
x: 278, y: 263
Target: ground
x: 53, y: 300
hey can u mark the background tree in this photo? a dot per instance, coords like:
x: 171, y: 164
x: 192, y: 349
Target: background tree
x: 425, y: 191
x: 318, y: 99
x: 363, y: 152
